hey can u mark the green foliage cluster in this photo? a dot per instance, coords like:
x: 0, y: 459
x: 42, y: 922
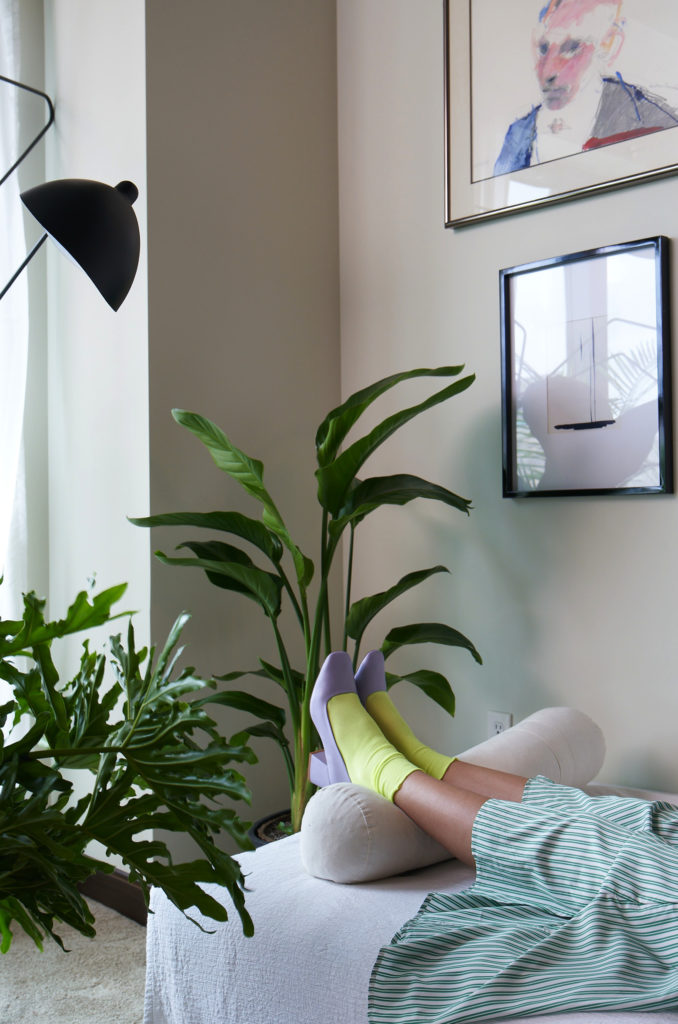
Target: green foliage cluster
x: 157, y: 763
x: 345, y: 501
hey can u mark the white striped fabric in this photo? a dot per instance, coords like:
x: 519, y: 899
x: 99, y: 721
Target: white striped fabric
x: 575, y: 907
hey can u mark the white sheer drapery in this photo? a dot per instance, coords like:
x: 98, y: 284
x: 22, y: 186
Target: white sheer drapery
x: 13, y: 328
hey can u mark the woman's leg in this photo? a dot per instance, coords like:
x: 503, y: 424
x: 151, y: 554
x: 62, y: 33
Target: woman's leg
x: 445, y: 812
x: 487, y: 782
x: 371, y: 688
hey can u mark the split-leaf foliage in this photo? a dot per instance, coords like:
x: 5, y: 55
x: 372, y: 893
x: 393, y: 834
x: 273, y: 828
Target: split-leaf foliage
x: 283, y: 572
x: 153, y: 757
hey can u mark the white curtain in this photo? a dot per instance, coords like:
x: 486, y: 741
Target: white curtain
x: 13, y: 328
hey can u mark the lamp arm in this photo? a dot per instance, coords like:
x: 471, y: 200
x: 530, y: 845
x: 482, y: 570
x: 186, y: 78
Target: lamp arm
x: 50, y: 120
x: 24, y: 264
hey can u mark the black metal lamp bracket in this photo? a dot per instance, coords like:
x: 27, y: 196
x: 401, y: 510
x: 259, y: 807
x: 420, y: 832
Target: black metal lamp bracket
x: 50, y: 120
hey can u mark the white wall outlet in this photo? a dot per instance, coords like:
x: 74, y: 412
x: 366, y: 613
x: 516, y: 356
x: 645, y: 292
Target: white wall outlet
x: 498, y: 721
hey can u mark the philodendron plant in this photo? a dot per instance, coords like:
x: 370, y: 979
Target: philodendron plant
x: 156, y: 758
x: 345, y: 501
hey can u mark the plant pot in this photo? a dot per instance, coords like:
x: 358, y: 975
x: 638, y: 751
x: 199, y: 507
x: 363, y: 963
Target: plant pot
x: 274, y: 826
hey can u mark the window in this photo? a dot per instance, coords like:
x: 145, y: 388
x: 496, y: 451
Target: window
x: 13, y: 323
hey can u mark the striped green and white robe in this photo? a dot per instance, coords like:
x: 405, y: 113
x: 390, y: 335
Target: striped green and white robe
x: 575, y: 907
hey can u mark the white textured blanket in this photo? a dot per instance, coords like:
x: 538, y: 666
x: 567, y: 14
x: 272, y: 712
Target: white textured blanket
x: 310, y: 959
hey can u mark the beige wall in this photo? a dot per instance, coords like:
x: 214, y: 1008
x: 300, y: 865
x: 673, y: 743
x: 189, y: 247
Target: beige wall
x: 243, y: 290
x: 570, y: 601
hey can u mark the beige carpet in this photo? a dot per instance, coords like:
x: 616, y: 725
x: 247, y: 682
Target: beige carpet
x: 101, y: 981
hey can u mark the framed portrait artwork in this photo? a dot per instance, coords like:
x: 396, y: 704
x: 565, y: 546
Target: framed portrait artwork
x: 586, y: 376
x: 548, y: 100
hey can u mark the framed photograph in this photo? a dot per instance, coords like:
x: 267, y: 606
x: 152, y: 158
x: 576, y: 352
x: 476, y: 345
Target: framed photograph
x: 548, y: 100
x: 586, y: 376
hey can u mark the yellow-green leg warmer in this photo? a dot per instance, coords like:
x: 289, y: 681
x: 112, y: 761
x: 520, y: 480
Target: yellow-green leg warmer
x: 397, y: 731
x: 369, y: 758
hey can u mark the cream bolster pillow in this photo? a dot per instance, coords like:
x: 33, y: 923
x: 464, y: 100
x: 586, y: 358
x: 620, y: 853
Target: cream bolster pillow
x: 349, y: 834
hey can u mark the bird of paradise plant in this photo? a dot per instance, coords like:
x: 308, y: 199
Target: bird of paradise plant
x: 345, y: 501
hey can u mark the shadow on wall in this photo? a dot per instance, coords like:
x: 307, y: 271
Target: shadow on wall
x: 509, y: 562
x: 643, y: 764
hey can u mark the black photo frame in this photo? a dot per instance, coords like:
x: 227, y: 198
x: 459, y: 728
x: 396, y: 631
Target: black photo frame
x: 586, y: 373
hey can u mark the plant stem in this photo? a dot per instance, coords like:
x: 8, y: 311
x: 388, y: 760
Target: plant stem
x: 292, y: 596
x: 289, y: 765
x: 302, y: 746
x: 313, y: 651
x: 349, y: 580
x: 325, y: 565
x: 298, y: 804
x: 290, y: 688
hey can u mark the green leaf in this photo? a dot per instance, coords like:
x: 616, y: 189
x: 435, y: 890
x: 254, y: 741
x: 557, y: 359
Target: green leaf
x: 12, y: 910
x: 182, y: 885
x: 271, y: 672
x: 266, y: 729
x: 263, y: 587
x: 229, y: 677
x: 227, y: 522
x: 427, y: 633
x: 227, y: 554
x: 218, y: 551
x: 163, y: 667
x: 50, y: 678
x: 27, y: 742
x: 172, y: 758
x: 243, y: 701
x: 166, y: 748
x: 85, y: 615
x: 9, y: 627
x: 433, y: 684
x: 81, y: 615
x: 363, y: 611
x: 276, y: 675
x: 336, y: 478
x: 400, y: 489
x: 336, y: 425
x: 249, y: 473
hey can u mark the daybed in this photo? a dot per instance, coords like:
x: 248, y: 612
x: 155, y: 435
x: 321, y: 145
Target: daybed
x: 315, y: 941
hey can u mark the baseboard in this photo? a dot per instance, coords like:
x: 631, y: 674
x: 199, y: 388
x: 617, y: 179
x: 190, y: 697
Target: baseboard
x: 116, y: 891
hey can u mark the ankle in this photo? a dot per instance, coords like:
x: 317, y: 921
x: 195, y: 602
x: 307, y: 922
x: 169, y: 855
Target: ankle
x: 399, y: 733
x: 370, y: 759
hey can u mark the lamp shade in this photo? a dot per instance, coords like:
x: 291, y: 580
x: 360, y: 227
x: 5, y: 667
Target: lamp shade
x: 95, y: 224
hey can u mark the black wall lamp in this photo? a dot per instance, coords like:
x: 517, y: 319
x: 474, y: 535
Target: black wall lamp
x: 92, y: 222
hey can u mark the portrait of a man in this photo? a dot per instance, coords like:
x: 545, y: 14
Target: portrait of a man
x: 585, y: 102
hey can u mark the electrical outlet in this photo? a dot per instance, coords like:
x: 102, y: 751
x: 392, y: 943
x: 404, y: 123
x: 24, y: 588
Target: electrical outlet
x: 498, y: 721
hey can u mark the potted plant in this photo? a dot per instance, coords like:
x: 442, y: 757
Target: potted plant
x: 345, y: 500
x: 156, y: 758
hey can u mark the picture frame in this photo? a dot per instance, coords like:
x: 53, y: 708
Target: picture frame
x: 497, y: 113
x: 586, y: 373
